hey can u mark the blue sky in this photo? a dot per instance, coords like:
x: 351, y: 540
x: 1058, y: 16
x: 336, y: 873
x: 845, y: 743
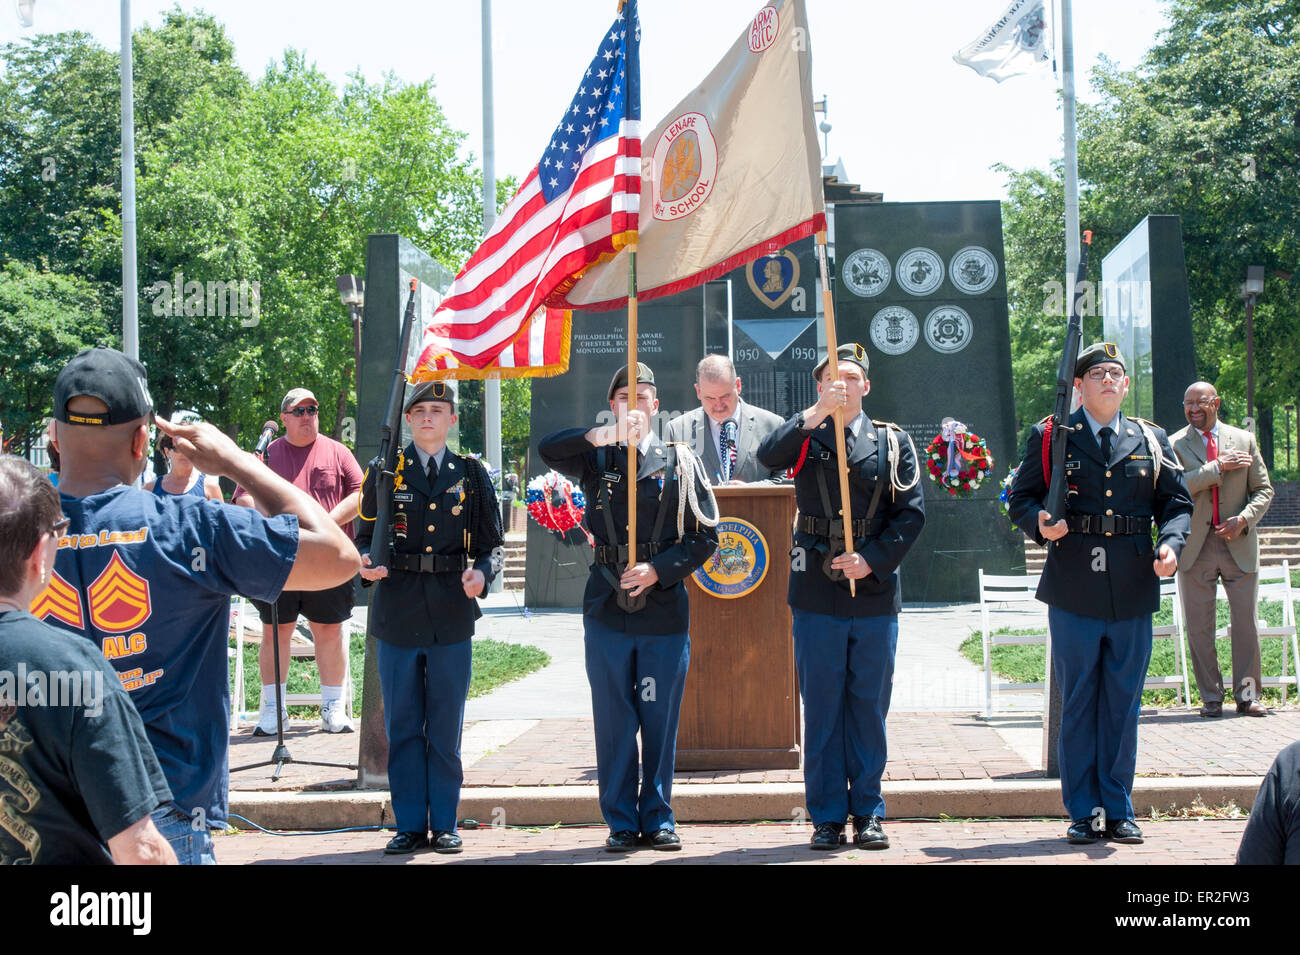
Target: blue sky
x: 906, y: 120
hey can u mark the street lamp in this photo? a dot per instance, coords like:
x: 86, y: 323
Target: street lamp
x: 1251, y: 288
x: 352, y: 293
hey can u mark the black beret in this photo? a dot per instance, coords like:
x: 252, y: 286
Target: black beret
x: 1095, y: 355
x: 852, y: 352
x: 644, y: 376
x: 431, y: 391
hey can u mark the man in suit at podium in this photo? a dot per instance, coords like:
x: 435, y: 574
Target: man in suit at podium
x: 724, y: 432
x: 1230, y: 490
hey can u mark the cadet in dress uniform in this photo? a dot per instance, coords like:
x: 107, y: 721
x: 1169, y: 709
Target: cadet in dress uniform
x: 636, y: 621
x: 446, y: 550
x: 844, y: 645
x: 1101, y: 584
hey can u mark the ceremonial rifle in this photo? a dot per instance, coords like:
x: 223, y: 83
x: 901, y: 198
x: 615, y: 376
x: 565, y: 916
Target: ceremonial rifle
x: 1057, y: 430
x: 385, y: 462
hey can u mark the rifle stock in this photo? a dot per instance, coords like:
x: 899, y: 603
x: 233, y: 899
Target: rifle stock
x: 385, y: 461
x: 1060, y: 421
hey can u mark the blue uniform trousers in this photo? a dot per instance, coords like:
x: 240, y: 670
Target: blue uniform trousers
x: 1100, y: 666
x: 424, y: 692
x: 637, y: 682
x: 846, y: 676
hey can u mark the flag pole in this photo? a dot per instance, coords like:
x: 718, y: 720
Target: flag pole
x: 631, y: 403
x: 832, y: 347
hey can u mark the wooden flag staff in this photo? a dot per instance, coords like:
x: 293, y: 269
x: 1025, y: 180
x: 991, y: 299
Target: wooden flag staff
x: 832, y: 349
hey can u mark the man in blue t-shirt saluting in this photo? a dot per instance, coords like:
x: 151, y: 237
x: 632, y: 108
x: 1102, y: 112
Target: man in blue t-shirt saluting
x: 148, y: 579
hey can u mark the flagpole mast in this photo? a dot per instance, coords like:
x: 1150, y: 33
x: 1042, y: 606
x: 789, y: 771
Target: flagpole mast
x: 832, y: 347
x: 1071, y: 152
x: 631, y: 403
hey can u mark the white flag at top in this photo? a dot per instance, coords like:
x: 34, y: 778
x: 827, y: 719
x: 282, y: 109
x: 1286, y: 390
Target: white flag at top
x: 1013, y: 45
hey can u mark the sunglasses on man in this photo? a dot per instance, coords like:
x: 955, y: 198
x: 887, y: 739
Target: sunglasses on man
x: 305, y: 410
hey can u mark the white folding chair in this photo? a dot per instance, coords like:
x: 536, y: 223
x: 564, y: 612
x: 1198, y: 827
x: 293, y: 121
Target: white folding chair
x: 1005, y: 589
x: 1176, y: 632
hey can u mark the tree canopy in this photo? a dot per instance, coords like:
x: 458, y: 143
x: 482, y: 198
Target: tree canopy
x: 253, y: 196
x: 1207, y: 127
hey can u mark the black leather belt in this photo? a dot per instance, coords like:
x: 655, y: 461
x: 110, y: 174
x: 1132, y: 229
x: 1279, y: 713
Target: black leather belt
x: 825, y: 527
x: 1111, y: 525
x: 429, y: 563
x: 613, y: 556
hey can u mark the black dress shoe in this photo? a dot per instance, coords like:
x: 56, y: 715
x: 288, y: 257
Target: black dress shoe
x: 1125, y: 831
x: 405, y: 842
x: 446, y: 842
x: 665, y: 840
x: 1081, y: 832
x: 828, y: 835
x: 867, y: 833
x: 624, y: 840
x: 1212, y: 709
x: 1253, y: 708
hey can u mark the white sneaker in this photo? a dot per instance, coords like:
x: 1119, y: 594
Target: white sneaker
x: 266, y: 722
x: 334, y: 717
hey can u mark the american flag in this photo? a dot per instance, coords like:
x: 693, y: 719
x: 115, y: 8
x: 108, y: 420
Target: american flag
x: 575, y: 208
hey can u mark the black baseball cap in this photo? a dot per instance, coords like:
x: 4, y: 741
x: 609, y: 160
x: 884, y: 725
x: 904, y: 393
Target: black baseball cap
x: 1095, y: 355
x: 851, y: 352
x: 644, y: 376
x: 431, y: 391
x: 112, y: 377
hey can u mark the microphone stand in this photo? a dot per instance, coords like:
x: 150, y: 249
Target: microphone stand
x: 281, y: 756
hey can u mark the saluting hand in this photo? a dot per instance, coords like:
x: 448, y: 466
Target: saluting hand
x: 473, y: 581
x: 1167, y: 562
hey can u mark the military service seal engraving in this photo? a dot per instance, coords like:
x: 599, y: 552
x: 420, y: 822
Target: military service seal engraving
x: 866, y: 272
x: 920, y: 271
x: 948, y: 329
x: 973, y: 270
x: 894, y: 330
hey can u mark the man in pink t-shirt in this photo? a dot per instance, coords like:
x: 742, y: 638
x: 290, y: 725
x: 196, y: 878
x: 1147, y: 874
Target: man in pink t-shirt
x: 328, y: 472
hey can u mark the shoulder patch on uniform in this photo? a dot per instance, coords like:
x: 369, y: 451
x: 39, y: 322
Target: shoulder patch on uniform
x: 887, y: 424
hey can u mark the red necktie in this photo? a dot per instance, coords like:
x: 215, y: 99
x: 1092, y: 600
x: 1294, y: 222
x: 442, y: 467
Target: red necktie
x: 1212, y: 454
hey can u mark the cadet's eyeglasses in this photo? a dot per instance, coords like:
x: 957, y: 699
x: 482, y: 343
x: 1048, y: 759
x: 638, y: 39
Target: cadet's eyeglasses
x: 307, y: 410
x: 60, y: 526
x: 1201, y: 402
x: 1101, y: 374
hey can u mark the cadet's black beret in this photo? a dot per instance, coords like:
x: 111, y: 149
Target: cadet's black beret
x: 1095, y: 355
x: 432, y: 391
x: 851, y: 352
x: 644, y: 376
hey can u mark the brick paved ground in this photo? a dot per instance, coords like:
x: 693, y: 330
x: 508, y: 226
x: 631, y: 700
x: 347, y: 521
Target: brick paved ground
x: 922, y: 746
x: 1171, y: 842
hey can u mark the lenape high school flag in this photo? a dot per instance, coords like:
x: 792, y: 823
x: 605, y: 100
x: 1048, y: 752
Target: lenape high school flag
x: 577, y: 205
x: 1014, y: 44
x: 734, y: 169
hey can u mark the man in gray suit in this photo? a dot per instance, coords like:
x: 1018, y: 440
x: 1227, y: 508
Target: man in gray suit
x: 724, y: 432
x: 1231, y: 491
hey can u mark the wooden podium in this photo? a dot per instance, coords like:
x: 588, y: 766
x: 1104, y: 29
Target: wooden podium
x: 741, y: 705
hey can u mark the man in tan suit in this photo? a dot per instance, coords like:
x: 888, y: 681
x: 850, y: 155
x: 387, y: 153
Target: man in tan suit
x: 1230, y: 488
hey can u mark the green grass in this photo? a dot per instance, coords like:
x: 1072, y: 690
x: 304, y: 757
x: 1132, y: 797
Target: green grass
x: 1016, y: 664
x: 495, y: 663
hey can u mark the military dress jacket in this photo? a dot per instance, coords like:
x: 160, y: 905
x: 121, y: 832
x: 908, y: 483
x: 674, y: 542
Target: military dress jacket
x: 667, y: 608
x: 1108, y: 576
x: 418, y: 609
x: 894, y: 528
